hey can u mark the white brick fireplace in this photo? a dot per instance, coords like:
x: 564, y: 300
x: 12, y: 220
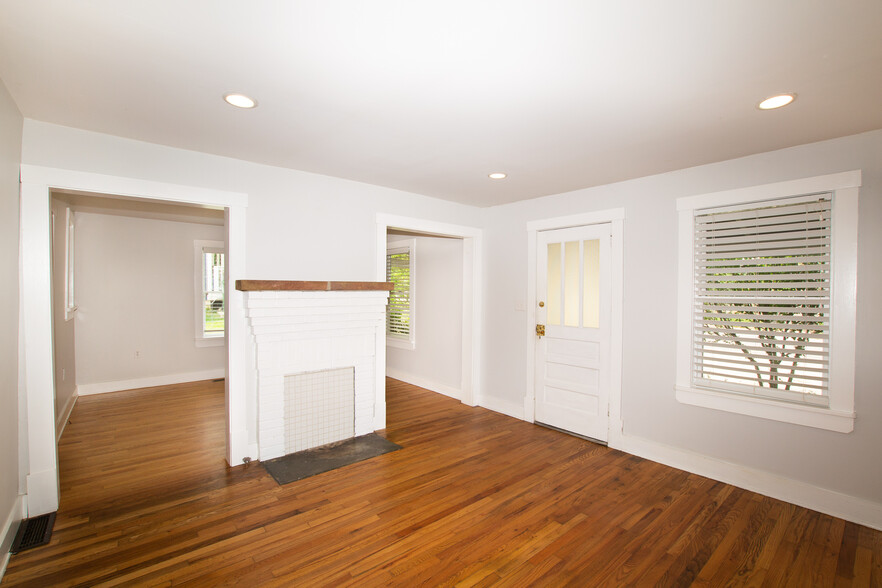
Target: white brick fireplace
x: 315, y: 342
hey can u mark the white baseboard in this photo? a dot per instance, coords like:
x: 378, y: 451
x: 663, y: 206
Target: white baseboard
x: 425, y: 383
x: 506, y: 407
x: 103, y: 387
x: 8, y: 531
x: 831, y: 502
x: 63, y: 417
x: 837, y: 504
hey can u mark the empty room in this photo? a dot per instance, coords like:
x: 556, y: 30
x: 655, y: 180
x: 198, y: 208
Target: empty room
x: 390, y: 293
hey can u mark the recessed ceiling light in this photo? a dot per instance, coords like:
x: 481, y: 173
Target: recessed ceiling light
x: 497, y: 176
x: 776, y: 101
x: 240, y: 100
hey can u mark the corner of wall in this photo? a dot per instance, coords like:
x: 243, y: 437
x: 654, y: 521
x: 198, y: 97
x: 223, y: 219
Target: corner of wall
x: 8, y: 531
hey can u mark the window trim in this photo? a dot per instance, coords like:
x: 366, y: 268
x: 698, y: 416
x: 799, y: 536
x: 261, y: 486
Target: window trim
x: 840, y: 416
x: 70, y: 305
x: 203, y: 339
x: 409, y: 342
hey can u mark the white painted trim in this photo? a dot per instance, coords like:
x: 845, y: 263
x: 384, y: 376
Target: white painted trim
x: 149, y: 382
x: 840, y: 416
x: 813, y: 185
x: 37, y: 382
x: 40, y: 469
x: 502, y: 406
x: 615, y: 218
x: 472, y: 292
x: 423, y: 382
x: 837, y: 504
x: 577, y: 220
x: 8, y: 531
x: 764, y: 408
x: 61, y: 419
x: 134, y: 187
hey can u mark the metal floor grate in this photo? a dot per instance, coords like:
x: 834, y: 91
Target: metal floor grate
x: 33, y: 532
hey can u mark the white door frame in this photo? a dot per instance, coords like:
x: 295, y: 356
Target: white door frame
x: 615, y: 218
x: 471, y: 291
x: 37, y: 384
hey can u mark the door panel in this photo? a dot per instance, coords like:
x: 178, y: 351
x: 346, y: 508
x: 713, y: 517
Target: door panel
x: 572, y: 359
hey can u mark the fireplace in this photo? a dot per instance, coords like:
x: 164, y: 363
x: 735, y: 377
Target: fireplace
x: 318, y: 363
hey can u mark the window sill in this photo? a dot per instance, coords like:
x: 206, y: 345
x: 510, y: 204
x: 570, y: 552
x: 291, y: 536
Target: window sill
x: 400, y: 343
x: 808, y: 416
x: 217, y: 341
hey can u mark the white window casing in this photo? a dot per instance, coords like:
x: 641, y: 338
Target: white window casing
x: 401, y: 314
x: 70, y: 305
x: 203, y: 337
x: 766, y: 301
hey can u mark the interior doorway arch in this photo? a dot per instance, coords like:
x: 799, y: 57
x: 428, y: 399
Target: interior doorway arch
x: 40, y: 459
x: 471, y: 282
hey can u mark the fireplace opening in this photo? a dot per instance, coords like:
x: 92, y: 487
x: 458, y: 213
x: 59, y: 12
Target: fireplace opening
x: 319, y: 408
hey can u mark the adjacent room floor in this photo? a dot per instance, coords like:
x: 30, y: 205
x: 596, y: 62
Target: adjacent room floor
x: 472, y: 498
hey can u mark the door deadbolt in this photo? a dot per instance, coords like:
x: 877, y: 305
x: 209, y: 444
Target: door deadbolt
x: 541, y: 304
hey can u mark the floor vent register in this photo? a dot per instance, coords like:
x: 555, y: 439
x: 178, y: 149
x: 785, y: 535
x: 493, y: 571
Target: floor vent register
x: 33, y: 532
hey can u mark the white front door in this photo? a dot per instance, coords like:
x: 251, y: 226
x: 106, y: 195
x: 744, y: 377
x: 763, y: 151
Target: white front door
x: 573, y: 306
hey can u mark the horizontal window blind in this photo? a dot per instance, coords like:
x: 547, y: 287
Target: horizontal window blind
x: 398, y: 313
x: 761, y: 320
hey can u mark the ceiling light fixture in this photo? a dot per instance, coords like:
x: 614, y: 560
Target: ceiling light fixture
x: 497, y: 176
x: 240, y: 100
x: 776, y: 101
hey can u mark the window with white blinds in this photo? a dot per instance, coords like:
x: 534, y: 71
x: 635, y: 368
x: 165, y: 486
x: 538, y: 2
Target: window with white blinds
x: 399, y: 313
x: 766, y: 300
x: 762, y: 298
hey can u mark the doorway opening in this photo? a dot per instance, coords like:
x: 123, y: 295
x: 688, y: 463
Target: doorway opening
x: 574, y: 355
x: 125, y: 288
x: 448, y: 249
x: 39, y: 463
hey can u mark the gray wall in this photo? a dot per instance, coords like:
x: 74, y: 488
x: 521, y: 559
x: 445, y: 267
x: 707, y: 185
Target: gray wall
x: 63, y: 328
x: 10, y: 159
x: 848, y: 463
x: 436, y: 360
x: 135, y: 291
x: 292, y: 213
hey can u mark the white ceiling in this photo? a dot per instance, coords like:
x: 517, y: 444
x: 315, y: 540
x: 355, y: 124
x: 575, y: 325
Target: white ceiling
x: 430, y: 97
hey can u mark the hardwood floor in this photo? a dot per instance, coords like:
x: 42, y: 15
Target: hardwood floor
x: 473, y: 499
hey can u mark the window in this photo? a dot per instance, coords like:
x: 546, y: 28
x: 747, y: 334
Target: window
x: 210, y: 281
x: 766, y: 306
x: 400, y: 327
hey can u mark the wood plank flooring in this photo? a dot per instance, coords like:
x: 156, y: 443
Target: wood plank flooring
x: 474, y: 498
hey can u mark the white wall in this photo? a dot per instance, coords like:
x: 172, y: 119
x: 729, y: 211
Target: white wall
x: 845, y: 463
x: 10, y: 159
x: 289, y: 214
x: 63, y: 329
x: 135, y: 292
x: 436, y: 360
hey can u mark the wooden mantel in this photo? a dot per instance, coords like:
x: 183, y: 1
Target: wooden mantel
x: 305, y: 286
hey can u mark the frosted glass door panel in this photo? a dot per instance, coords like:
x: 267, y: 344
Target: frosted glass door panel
x: 573, y: 283
x: 591, y: 284
x: 554, y: 279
